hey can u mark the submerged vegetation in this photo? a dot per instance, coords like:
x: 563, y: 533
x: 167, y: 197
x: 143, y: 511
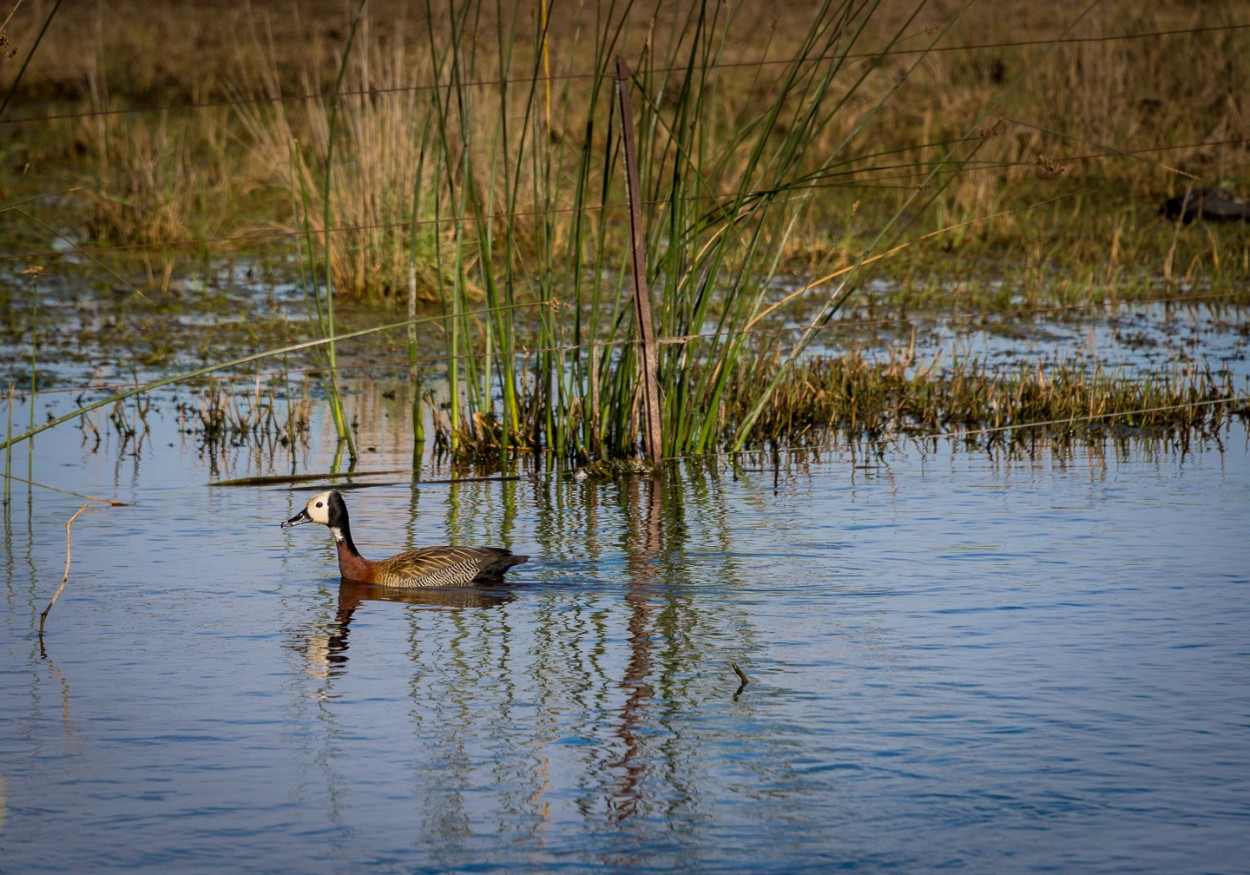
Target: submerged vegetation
x: 465, y: 165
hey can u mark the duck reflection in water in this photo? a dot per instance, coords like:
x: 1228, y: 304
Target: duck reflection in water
x: 324, y: 645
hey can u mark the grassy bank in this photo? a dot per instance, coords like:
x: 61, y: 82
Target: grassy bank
x: 1098, y: 132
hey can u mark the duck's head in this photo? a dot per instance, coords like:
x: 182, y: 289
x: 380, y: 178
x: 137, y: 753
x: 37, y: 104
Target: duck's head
x: 326, y: 508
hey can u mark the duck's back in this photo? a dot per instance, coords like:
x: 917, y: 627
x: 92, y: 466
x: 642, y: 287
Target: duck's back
x: 444, y: 566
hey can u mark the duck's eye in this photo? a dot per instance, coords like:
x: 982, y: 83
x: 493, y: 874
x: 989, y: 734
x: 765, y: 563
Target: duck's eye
x: 319, y: 504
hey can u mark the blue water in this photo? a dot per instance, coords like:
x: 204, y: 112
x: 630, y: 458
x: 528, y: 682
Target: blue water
x: 954, y: 661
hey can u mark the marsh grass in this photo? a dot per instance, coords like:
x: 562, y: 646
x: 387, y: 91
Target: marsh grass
x: 857, y: 396
x: 219, y: 415
x: 865, y: 396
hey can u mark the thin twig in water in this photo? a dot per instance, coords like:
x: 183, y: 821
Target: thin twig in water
x: 745, y: 680
x: 64, y: 579
x: 111, y: 502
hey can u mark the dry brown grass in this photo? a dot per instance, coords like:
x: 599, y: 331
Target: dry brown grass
x: 1118, y: 120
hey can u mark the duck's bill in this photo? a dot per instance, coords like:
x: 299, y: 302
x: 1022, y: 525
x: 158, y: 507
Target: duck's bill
x: 298, y: 520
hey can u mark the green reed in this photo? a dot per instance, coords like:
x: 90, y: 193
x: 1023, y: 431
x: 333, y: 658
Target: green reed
x: 8, y: 448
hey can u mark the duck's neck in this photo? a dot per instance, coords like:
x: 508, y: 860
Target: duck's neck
x: 352, y: 565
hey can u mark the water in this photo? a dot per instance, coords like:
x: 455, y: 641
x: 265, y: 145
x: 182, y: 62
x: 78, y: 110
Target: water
x: 954, y: 661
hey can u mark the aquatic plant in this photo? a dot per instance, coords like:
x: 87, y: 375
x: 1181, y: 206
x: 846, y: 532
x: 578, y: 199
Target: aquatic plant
x: 857, y: 396
x: 269, y: 415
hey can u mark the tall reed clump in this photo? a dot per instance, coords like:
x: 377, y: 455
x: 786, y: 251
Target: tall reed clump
x: 494, y: 182
x: 505, y: 194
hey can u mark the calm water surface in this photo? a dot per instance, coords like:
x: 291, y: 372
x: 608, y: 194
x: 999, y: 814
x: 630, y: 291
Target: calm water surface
x: 954, y: 661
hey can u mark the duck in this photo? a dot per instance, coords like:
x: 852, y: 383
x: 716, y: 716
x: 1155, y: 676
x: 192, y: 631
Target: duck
x: 426, y: 567
x: 1212, y: 204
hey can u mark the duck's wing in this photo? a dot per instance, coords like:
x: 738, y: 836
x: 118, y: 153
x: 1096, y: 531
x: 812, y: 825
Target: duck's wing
x: 444, y: 566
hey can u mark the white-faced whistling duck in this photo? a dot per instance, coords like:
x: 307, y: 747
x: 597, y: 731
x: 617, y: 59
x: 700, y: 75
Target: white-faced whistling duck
x: 429, y: 566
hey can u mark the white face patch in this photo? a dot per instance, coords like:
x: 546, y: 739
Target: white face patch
x: 318, y: 508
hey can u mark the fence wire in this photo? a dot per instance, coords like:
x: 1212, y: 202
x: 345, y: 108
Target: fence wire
x: 504, y: 82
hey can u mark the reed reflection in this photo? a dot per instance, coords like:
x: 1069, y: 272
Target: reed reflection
x: 628, y: 652
x: 668, y: 635
x: 646, y: 542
